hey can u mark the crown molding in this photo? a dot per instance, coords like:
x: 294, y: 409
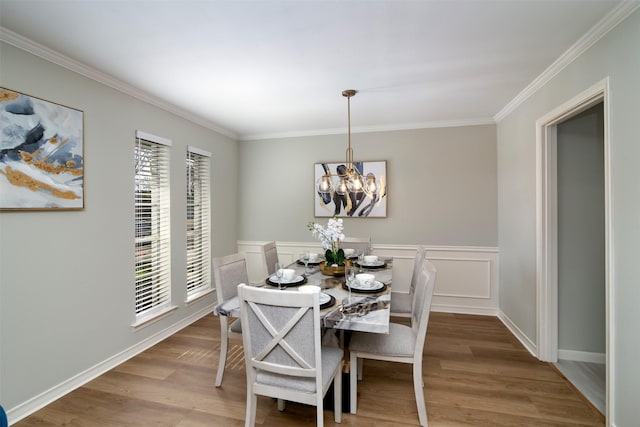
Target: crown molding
x: 57, y: 58
x: 367, y: 129
x: 606, y: 24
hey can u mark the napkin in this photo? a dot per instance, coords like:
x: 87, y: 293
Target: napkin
x: 227, y: 307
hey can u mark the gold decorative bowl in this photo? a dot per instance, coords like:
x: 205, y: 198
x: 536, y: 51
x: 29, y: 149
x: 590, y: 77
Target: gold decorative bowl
x: 330, y: 270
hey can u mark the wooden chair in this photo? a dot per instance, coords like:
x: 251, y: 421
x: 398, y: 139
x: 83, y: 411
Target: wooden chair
x: 269, y: 256
x: 402, y: 302
x: 283, y: 354
x: 359, y: 244
x: 228, y: 272
x: 402, y: 344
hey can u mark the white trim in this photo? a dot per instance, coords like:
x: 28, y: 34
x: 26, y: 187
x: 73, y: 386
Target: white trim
x: 155, y: 316
x: 466, y: 290
x: 153, y: 138
x: 199, y: 151
x: 606, y: 24
x: 487, y: 262
x: 43, y: 399
x: 383, y: 247
x: 546, y: 230
x: 461, y: 309
x: 582, y: 356
x: 366, y: 129
x: 546, y: 221
x: 521, y: 336
x: 57, y: 58
x: 197, y: 297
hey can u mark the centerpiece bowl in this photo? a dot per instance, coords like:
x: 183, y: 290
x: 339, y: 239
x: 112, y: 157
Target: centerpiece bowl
x: 334, y: 270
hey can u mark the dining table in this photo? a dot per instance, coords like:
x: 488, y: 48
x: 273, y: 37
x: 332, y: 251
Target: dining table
x: 363, y: 309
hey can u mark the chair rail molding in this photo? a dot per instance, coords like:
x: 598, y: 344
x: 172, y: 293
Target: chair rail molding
x: 467, y: 275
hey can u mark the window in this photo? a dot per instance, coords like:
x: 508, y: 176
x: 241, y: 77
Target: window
x: 152, y: 232
x: 198, y: 219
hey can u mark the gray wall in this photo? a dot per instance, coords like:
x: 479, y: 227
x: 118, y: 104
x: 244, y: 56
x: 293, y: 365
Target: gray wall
x: 581, y: 233
x: 616, y: 55
x: 442, y: 186
x: 66, y: 278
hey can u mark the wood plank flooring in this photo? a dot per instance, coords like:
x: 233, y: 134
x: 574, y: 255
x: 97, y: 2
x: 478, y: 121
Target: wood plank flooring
x: 589, y: 378
x: 475, y: 374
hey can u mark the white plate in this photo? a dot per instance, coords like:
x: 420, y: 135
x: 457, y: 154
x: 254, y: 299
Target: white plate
x: 372, y: 264
x: 375, y: 285
x: 324, y: 298
x: 296, y: 279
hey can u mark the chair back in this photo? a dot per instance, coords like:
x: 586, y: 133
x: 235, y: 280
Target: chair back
x: 422, y: 304
x: 417, y: 266
x: 270, y: 257
x: 281, y: 335
x: 359, y: 244
x: 228, y: 272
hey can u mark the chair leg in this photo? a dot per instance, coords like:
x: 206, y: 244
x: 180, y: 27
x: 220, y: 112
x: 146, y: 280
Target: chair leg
x: 319, y: 411
x: 353, y: 382
x: 360, y: 363
x: 418, y: 388
x: 224, y: 344
x: 281, y: 405
x: 252, y: 403
x: 337, y: 396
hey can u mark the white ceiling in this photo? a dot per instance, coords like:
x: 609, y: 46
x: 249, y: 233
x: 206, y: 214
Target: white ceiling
x: 275, y: 68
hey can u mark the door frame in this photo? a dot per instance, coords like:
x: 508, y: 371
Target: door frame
x: 547, y: 227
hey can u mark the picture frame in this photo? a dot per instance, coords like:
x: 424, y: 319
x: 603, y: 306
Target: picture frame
x: 41, y: 154
x: 331, y: 204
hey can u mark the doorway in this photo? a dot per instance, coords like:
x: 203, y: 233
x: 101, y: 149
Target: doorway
x: 552, y: 242
x: 581, y: 252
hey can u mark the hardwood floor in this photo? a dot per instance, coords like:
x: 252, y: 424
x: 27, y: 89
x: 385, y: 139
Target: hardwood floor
x: 589, y: 378
x: 475, y: 374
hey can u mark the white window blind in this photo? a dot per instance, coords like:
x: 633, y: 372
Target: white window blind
x: 152, y: 220
x: 198, y: 220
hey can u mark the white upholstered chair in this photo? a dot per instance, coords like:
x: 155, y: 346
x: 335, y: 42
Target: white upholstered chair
x: 402, y: 344
x: 360, y: 244
x: 228, y: 272
x: 402, y: 302
x: 283, y: 354
x: 269, y: 256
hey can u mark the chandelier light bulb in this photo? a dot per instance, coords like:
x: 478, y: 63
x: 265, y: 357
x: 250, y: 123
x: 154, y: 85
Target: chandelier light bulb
x: 324, y: 184
x: 342, y: 188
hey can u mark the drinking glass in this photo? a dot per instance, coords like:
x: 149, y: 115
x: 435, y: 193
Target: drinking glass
x: 350, y: 278
x: 279, y: 273
x: 305, y: 259
x: 361, y: 260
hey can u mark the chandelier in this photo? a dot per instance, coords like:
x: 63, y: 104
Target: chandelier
x: 348, y: 179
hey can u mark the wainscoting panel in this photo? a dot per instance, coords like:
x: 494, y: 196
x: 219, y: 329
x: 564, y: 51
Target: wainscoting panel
x: 467, y: 276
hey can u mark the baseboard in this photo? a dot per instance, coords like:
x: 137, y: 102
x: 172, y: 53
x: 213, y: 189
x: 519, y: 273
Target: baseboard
x: 479, y: 311
x: 524, y: 340
x: 43, y: 399
x: 582, y: 356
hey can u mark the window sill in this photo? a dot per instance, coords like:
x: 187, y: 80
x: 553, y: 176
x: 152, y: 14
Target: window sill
x: 151, y: 319
x: 197, y: 297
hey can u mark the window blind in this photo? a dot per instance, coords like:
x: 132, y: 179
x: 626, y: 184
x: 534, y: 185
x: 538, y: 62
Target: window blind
x: 198, y: 220
x: 152, y: 225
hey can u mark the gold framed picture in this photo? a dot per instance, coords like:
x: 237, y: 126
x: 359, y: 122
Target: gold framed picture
x: 41, y: 154
x: 351, y: 204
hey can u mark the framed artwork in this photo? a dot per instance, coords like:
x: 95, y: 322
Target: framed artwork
x: 351, y: 204
x: 41, y: 154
